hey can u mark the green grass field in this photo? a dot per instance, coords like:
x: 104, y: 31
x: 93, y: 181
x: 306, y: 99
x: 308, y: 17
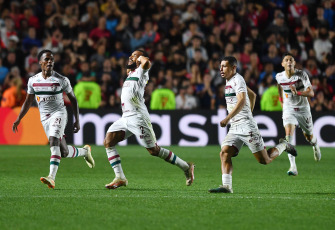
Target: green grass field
x: 157, y: 197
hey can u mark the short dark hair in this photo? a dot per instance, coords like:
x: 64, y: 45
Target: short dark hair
x: 145, y: 54
x: 286, y: 54
x: 40, y: 54
x: 231, y: 60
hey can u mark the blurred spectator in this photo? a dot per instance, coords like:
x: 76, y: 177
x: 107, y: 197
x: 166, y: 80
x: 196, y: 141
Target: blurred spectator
x: 322, y: 45
x: 219, y: 97
x: 190, y: 13
x: 273, y: 57
x: 163, y: 98
x: 14, y: 95
x: 8, y: 30
x: 229, y: 25
x: 297, y: 9
x: 265, y: 84
x: 185, y: 99
x: 31, y: 58
x: 311, y: 68
x: 3, y: 72
x: 270, y: 99
x: 88, y: 94
x: 329, y: 13
x: 31, y: 40
x: 100, y: 32
x: 205, y: 93
x: 85, y: 74
x: 193, y: 30
x: 196, y: 45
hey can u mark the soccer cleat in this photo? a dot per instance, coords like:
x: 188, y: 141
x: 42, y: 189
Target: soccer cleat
x: 189, y: 173
x: 88, y: 158
x: 289, y: 148
x: 48, y: 181
x: 116, y: 183
x: 292, y: 172
x: 221, y: 189
x: 317, y: 153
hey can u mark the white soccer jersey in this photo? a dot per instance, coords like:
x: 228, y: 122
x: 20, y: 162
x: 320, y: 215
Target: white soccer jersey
x: 234, y: 86
x: 301, y: 82
x: 49, y: 93
x: 132, y: 100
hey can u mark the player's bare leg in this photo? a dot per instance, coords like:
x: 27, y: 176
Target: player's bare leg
x: 267, y: 156
x: 111, y: 139
x: 289, y: 132
x: 227, y: 152
x: 169, y: 156
x: 316, y: 149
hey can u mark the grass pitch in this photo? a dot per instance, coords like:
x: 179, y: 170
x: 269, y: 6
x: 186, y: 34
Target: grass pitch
x: 157, y: 197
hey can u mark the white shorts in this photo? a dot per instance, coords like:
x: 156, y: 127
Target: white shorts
x: 302, y: 118
x: 55, y: 125
x: 139, y: 125
x: 252, y: 139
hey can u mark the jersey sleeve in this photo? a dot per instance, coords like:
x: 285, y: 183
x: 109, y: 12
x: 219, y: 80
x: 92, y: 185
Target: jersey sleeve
x: 30, y: 89
x: 66, y: 86
x: 305, y: 80
x: 241, y: 86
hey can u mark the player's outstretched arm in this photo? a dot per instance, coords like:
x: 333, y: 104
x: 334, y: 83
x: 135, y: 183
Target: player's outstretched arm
x: 75, y: 109
x: 25, y: 107
x: 252, y: 98
x: 280, y: 91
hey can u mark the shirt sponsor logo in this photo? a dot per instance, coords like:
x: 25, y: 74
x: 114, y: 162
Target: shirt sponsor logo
x: 44, y: 99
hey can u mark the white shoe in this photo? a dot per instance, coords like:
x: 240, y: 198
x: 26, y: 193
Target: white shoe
x: 292, y: 171
x: 317, y: 153
x: 88, y: 158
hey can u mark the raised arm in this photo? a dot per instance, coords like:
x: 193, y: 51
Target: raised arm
x: 75, y: 109
x: 145, y: 62
x: 25, y: 107
x: 252, y: 98
x: 309, y: 92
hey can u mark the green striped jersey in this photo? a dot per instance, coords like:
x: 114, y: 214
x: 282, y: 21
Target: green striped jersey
x: 49, y: 92
x: 234, y: 86
x: 132, y: 95
x: 301, y: 82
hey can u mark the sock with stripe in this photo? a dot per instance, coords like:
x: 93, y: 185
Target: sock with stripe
x: 115, y: 161
x: 54, y: 161
x: 227, y: 180
x: 290, y: 157
x: 76, y: 152
x: 172, y: 158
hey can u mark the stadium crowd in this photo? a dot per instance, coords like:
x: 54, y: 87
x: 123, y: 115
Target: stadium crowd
x: 185, y: 40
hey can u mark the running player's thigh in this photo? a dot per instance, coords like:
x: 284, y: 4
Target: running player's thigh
x: 231, y: 144
x: 306, y: 122
x: 290, y: 122
x: 141, y: 127
x: 117, y: 132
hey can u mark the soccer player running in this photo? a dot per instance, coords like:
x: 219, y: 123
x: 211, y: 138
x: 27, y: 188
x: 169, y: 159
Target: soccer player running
x: 48, y: 87
x: 244, y: 130
x: 136, y: 120
x: 294, y: 87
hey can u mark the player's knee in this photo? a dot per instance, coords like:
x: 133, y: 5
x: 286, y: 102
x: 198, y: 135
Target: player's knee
x: 224, y: 155
x: 154, y: 151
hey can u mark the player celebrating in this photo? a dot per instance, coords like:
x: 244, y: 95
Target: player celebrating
x: 136, y: 120
x: 240, y: 103
x: 48, y: 87
x: 294, y: 87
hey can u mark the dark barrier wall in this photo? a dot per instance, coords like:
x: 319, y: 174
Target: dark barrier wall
x: 199, y: 128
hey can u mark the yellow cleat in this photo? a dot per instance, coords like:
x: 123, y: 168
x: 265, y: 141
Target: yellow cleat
x: 116, y: 183
x: 88, y: 158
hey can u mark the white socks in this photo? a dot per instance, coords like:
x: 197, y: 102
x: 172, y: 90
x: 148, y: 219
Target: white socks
x: 280, y: 147
x: 172, y: 158
x: 227, y: 180
x: 290, y: 157
x: 115, y: 161
x: 76, y: 152
x: 54, y: 161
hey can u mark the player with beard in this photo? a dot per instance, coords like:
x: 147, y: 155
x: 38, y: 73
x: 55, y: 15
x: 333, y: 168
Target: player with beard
x: 135, y: 120
x: 48, y: 87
